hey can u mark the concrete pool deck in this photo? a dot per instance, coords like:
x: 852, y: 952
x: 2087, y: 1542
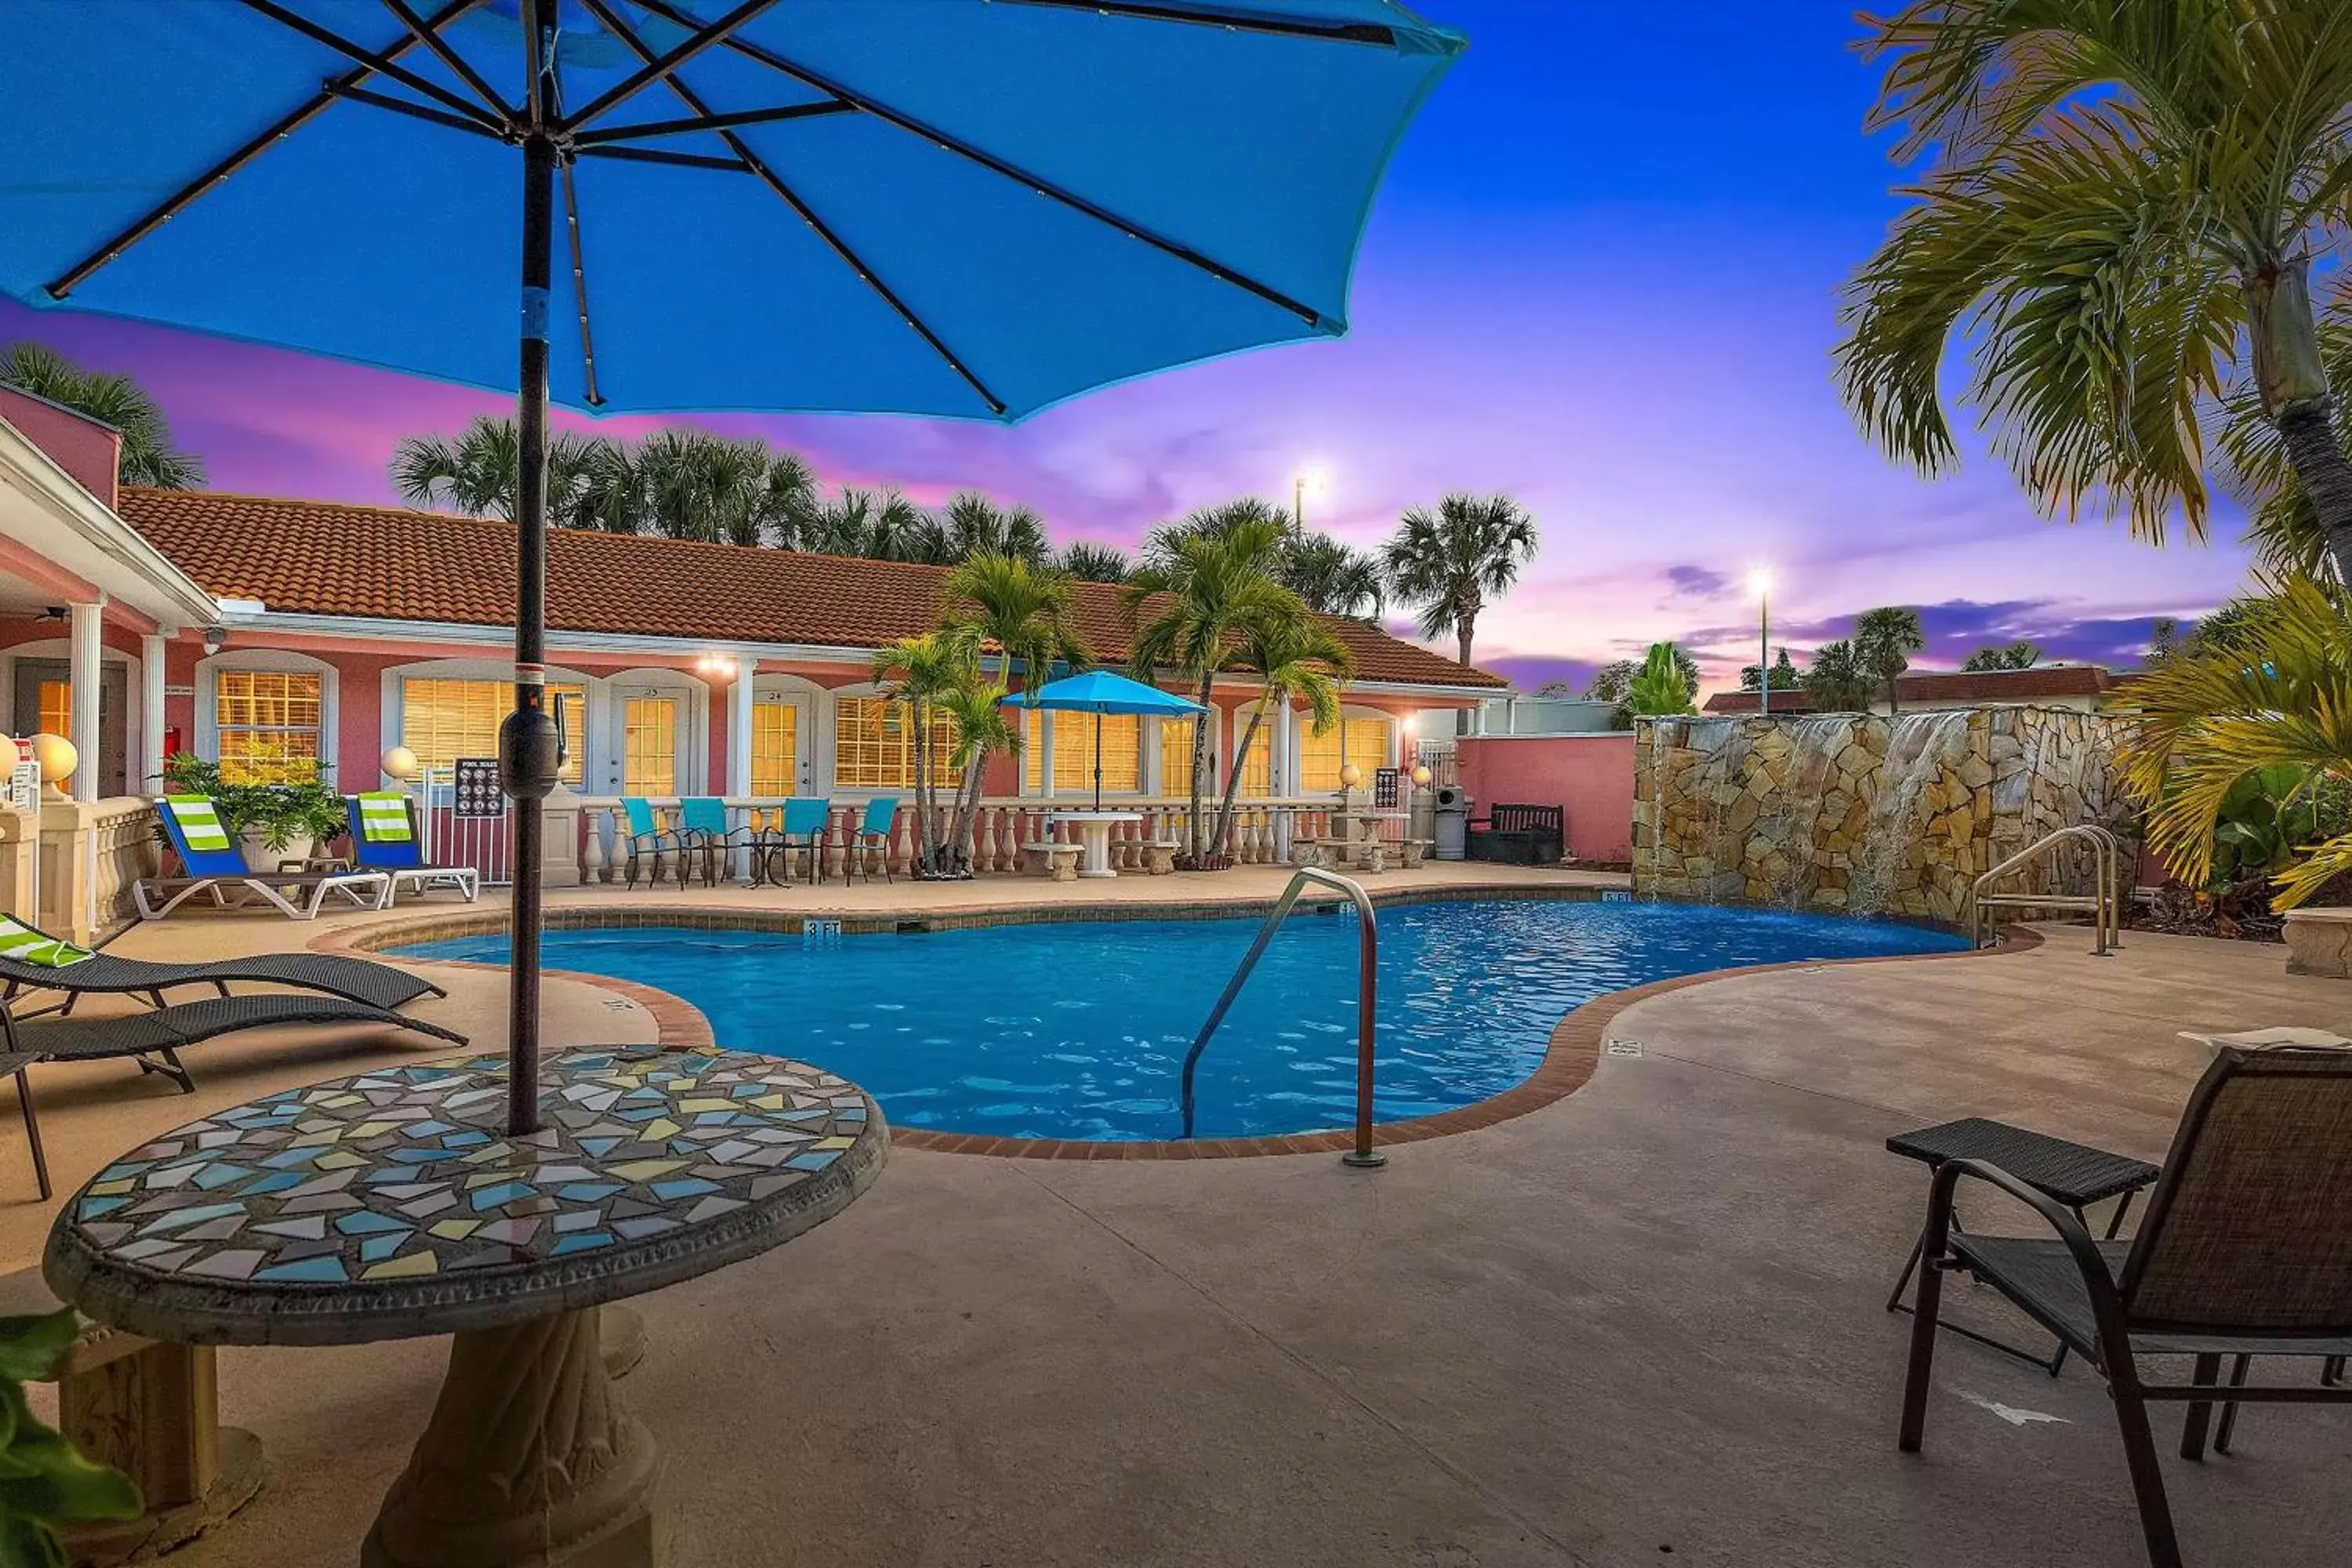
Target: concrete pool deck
x: 1641, y: 1324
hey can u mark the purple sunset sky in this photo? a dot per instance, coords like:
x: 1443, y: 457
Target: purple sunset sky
x: 1601, y: 276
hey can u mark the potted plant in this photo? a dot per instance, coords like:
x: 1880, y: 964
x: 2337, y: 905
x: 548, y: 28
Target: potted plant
x: 271, y: 822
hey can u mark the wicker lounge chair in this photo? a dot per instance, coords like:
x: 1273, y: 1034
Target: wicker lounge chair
x: 384, y: 838
x: 32, y: 960
x: 154, y: 1039
x: 214, y: 865
x: 2245, y: 1249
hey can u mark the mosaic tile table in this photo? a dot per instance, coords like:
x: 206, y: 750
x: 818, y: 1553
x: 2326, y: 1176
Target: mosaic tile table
x: 393, y: 1204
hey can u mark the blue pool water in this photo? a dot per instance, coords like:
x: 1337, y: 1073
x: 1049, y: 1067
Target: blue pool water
x: 1080, y: 1030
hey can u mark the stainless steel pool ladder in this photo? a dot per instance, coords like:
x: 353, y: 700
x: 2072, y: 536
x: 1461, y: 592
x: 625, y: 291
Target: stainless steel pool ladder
x: 2103, y: 904
x: 1363, y: 1156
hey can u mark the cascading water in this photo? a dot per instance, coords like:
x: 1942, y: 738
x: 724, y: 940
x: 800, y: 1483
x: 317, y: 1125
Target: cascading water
x: 1918, y: 747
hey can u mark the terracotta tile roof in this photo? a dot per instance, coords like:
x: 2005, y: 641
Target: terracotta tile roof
x: 2038, y: 684
x: 332, y: 558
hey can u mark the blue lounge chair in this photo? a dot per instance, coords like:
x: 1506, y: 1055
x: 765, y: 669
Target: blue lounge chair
x: 871, y: 837
x: 807, y: 822
x: 384, y: 838
x: 211, y: 863
x: 647, y: 836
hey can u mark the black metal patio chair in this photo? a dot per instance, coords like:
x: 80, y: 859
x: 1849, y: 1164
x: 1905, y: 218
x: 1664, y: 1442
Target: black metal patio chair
x: 2244, y: 1250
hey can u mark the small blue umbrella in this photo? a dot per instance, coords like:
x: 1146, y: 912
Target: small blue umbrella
x: 970, y: 208
x: 1099, y: 691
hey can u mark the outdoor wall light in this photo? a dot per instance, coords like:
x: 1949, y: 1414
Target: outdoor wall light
x: 216, y: 638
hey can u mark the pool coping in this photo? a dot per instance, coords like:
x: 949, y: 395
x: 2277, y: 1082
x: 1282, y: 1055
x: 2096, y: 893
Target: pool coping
x: 1570, y: 1057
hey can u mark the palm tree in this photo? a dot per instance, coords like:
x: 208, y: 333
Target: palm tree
x: 1024, y: 610
x: 478, y: 472
x: 1452, y: 561
x: 1162, y: 544
x: 148, y: 455
x: 880, y: 526
x: 698, y: 485
x: 789, y: 500
x: 970, y: 524
x: 920, y: 672
x: 1883, y: 640
x: 1203, y: 587
x: 2284, y: 527
x: 1091, y: 563
x: 2272, y: 691
x: 1335, y: 578
x: 1836, y: 681
x: 1297, y: 659
x: 2118, y: 215
x: 977, y: 710
x: 1991, y: 657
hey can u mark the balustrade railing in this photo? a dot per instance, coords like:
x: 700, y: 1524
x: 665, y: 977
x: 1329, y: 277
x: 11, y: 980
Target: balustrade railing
x: 1264, y: 833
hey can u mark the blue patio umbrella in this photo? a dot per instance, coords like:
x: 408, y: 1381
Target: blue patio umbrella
x: 970, y: 208
x: 1099, y: 691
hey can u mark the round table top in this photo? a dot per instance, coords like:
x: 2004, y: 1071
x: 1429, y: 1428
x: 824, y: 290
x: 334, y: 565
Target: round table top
x: 1097, y: 816
x: 391, y: 1204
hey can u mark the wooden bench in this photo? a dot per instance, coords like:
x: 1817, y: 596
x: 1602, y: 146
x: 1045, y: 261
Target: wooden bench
x: 1056, y: 862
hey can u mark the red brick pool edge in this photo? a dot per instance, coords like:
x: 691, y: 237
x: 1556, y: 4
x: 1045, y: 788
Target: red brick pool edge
x: 1569, y: 1063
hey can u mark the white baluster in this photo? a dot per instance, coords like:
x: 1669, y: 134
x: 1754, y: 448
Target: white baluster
x: 592, y: 847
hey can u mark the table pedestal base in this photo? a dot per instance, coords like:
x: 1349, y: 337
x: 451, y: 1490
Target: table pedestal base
x: 530, y: 1462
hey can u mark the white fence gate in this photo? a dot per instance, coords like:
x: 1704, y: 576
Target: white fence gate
x: 464, y: 819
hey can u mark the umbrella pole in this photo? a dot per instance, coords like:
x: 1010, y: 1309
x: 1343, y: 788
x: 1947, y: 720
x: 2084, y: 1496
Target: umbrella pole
x: 526, y: 740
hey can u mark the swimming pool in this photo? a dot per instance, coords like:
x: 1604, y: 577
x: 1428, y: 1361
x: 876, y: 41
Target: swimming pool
x: 1079, y: 1030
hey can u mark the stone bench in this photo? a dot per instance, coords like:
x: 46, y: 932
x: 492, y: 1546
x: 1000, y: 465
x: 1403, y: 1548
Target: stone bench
x: 1416, y: 850
x: 1055, y: 862
x: 1160, y: 855
x: 151, y: 1410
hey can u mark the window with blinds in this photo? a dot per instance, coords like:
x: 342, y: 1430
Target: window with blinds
x: 266, y: 721
x: 874, y: 745
x: 775, y: 748
x: 442, y: 721
x: 1074, y: 752
x: 1367, y: 742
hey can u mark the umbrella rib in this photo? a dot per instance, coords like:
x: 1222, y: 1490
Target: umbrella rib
x: 381, y: 64
x: 989, y: 161
x: 697, y: 123
x: 1334, y: 31
x: 678, y: 160
x: 434, y: 41
x: 580, y: 287
x: 603, y: 13
x: 413, y: 110
x: 285, y: 125
x: 660, y: 68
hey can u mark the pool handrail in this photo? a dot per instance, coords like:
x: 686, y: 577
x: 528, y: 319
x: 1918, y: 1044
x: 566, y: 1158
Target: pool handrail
x: 1363, y: 1156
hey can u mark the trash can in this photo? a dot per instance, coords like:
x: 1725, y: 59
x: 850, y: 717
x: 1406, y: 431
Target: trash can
x: 1453, y: 834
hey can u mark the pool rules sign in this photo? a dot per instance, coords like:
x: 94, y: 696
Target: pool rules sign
x: 475, y: 791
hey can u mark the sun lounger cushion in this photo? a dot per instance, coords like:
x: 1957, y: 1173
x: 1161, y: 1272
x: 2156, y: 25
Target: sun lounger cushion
x: 198, y: 820
x: 384, y: 816
x: 23, y: 943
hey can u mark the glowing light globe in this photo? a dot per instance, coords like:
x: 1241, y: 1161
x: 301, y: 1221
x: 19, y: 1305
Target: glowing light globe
x: 10, y: 755
x: 399, y: 762
x: 1350, y: 775
x: 1421, y: 775
x: 58, y: 760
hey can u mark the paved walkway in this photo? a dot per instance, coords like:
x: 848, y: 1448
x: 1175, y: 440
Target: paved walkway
x: 1641, y: 1325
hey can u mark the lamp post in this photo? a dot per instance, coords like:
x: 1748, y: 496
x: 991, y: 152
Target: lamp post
x: 1760, y: 581
x: 1301, y: 483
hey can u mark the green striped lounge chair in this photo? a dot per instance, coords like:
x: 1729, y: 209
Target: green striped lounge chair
x: 213, y: 864
x: 32, y: 960
x: 384, y: 838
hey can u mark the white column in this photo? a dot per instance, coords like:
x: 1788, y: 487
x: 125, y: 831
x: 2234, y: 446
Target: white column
x: 739, y: 727
x: 152, y: 648
x: 739, y: 748
x: 1048, y: 720
x: 84, y: 666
